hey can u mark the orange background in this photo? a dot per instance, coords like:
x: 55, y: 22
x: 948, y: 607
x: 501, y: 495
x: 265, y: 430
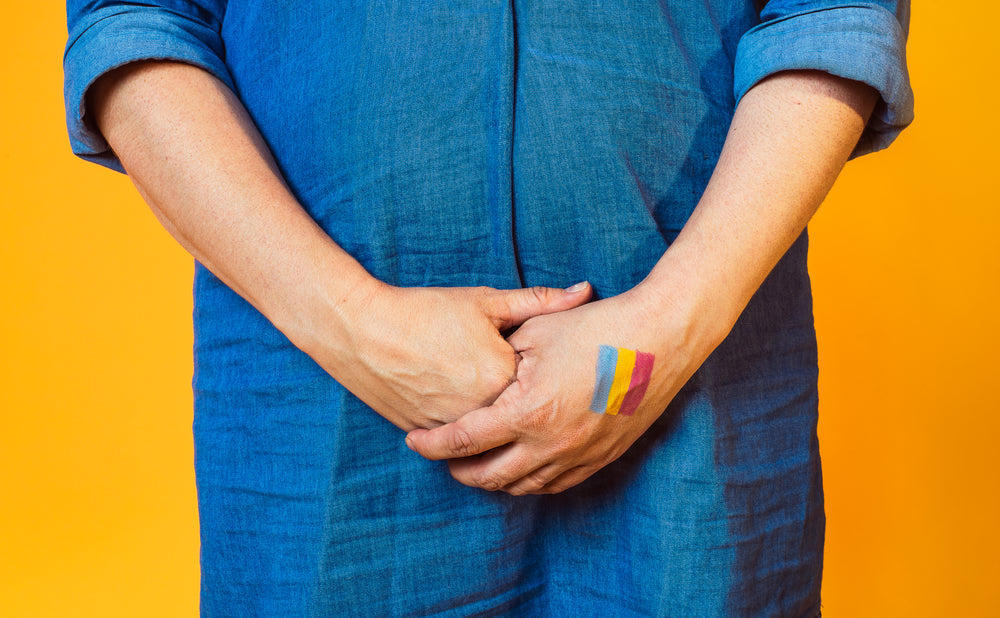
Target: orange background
x: 97, y: 503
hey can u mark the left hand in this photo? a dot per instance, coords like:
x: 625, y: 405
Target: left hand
x: 790, y: 137
x: 540, y: 436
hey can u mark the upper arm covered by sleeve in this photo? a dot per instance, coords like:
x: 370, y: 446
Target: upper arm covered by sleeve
x: 863, y: 41
x: 107, y: 35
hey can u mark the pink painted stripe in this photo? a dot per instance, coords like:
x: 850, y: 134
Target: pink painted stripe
x: 637, y: 386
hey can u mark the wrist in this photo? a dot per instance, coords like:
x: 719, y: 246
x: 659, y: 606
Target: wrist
x: 326, y: 302
x: 688, y: 291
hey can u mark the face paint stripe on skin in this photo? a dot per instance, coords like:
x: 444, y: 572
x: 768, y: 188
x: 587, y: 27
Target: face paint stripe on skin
x: 640, y: 381
x: 622, y: 378
x: 607, y: 360
x: 623, y: 375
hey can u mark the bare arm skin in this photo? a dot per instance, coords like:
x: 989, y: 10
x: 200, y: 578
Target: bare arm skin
x: 198, y: 161
x: 788, y: 141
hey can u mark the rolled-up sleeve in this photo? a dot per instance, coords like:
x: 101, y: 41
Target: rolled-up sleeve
x: 107, y: 35
x: 862, y: 41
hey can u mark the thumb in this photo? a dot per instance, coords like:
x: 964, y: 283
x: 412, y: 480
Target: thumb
x: 509, y: 308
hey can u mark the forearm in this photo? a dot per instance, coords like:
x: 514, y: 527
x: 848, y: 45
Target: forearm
x: 194, y: 154
x: 199, y: 162
x: 788, y: 141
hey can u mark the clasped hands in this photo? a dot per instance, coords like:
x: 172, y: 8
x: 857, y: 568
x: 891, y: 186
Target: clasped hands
x: 507, y: 414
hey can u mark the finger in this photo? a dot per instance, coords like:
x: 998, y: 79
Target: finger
x: 534, y: 481
x: 568, y: 479
x: 499, y: 468
x: 509, y: 308
x: 475, y: 433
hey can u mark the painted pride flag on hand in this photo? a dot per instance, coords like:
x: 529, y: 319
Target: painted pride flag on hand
x: 622, y: 378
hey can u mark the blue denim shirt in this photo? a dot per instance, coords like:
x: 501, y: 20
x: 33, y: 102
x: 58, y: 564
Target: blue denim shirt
x: 472, y: 142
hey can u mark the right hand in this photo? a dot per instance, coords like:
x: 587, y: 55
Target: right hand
x: 420, y: 357
x: 423, y: 357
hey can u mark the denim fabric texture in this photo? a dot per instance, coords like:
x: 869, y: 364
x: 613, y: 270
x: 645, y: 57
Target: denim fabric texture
x: 477, y: 142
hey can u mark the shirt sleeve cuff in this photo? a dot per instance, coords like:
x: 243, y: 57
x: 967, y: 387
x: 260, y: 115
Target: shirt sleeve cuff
x: 862, y: 43
x: 112, y: 37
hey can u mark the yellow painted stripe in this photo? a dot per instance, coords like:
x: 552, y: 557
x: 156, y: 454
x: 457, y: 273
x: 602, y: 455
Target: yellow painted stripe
x: 623, y: 375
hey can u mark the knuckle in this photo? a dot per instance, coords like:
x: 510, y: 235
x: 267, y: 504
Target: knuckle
x: 489, y: 482
x: 493, y: 479
x: 541, y: 294
x: 553, y: 488
x: 461, y: 442
x: 488, y: 298
x: 499, y: 379
x: 568, y: 481
x: 499, y: 310
x: 533, y: 483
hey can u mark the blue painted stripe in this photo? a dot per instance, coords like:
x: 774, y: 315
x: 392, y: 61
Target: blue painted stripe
x: 607, y: 360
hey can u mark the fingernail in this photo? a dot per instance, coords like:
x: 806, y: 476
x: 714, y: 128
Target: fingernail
x: 577, y: 288
x: 409, y: 444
